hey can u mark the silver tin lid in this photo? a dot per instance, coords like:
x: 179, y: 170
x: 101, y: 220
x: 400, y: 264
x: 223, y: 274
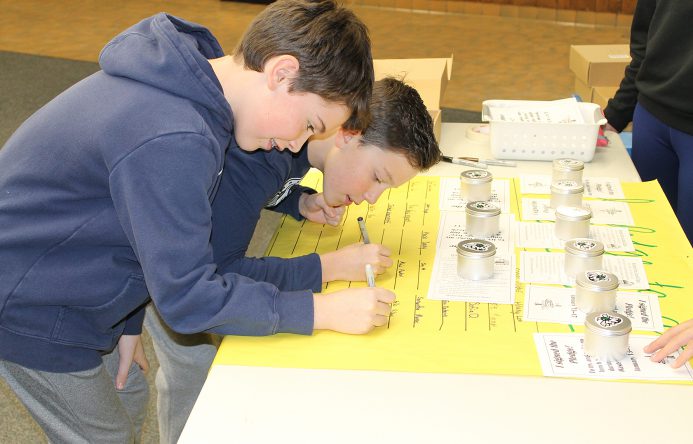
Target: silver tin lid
x: 568, y: 165
x: 607, y: 323
x: 597, y: 280
x: 567, y: 187
x: 476, y: 176
x: 476, y: 248
x: 482, y: 208
x: 584, y: 247
x: 573, y: 214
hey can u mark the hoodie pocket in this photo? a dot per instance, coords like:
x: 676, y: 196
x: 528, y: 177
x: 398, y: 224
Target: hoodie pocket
x: 99, y: 327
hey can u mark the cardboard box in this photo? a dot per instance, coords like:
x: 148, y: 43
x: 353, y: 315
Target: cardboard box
x: 428, y: 76
x: 583, y: 90
x: 602, y: 94
x: 599, y: 65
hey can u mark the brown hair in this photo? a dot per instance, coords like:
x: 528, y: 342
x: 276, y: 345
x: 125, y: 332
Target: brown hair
x: 330, y: 43
x: 400, y: 122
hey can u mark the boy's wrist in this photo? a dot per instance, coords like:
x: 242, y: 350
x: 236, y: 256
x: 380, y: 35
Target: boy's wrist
x: 327, y: 266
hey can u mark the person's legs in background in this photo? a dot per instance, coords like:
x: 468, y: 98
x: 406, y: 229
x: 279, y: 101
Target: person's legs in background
x: 653, y: 155
x: 184, y: 361
x: 665, y: 154
x: 683, y: 145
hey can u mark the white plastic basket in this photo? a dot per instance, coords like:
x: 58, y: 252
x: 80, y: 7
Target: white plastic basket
x: 543, y: 141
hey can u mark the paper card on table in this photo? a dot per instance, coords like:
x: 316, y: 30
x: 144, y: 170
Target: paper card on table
x: 595, y: 187
x: 541, y: 235
x: 603, y: 212
x: 562, y: 355
x: 557, y: 304
x: 548, y: 268
x: 447, y: 285
x: 450, y: 199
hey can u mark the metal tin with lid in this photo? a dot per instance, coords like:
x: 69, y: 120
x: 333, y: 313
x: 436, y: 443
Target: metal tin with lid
x: 582, y: 254
x: 568, y: 169
x: 475, y: 185
x: 595, y: 290
x: 572, y: 222
x: 483, y: 218
x: 606, y: 335
x: 566, y: 193
x: 475, y: 259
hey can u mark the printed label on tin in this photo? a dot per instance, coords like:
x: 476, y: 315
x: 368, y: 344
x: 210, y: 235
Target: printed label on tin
x: 476, y: 174
x: 476, y: 246
x: 607, y: 321
x: 585, y: 244
x: 567, y: 184
x: 569, y: 162
x: 597, y: 276
x: 482, y: 205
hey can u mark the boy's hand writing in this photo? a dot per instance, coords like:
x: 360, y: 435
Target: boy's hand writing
x: 347, y: 264
x: 314, y: 208
x: 129, y: 349
x: 353, y: 311
x: 670, y: 341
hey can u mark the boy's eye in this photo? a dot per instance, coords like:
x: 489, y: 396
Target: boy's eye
x: 311, y: 128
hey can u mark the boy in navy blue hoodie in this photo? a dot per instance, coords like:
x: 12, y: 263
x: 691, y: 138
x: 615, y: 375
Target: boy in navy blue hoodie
x: 106, y: 192
x: 357, y: 166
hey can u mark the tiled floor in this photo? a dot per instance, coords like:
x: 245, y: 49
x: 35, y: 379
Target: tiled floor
x: 495, y: 57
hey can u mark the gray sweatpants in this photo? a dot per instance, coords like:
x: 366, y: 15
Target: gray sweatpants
x: 85, y: 407
x: 184, y: 362
x: 82, y: 407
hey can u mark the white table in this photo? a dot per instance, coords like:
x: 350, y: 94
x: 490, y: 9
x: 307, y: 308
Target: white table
x: 264, y: 405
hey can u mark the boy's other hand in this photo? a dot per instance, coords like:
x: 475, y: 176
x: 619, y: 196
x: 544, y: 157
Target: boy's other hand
x: 671, y: 341
x: 349, y: 263
x: 314, y: 208
x: 354, y: 310
x: 129, y: 349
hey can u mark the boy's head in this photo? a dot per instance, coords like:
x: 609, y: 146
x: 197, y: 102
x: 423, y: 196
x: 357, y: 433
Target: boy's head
x: 330, y: 45
x: 398, y: 143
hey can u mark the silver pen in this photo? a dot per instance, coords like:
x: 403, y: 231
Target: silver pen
x: 370, y: 276
x: 364, y: 233
x: 465, y: 162
x: 495, y: 162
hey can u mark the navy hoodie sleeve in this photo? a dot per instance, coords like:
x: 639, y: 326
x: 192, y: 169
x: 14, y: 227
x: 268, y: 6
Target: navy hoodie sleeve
x: 161, y: 192
x: 619, y: 110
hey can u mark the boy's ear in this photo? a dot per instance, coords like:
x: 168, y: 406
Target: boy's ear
x: 281, y: 69
x: 344, y: 136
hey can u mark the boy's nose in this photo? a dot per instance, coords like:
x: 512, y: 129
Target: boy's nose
x: 374, y: 193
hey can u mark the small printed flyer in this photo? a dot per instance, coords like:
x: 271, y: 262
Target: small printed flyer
x: 562, y: 355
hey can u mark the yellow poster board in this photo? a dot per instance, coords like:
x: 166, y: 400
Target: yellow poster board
x: 440, y: 336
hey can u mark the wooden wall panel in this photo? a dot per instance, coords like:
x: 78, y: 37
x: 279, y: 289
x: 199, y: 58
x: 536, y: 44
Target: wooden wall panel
x: 613, y: 6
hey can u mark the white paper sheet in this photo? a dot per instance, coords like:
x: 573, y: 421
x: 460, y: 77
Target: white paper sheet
x: 562, y: 355
x: 541, y: 235
x: 603, y: 212
x: 450, y: 199
x: 548, y: 268
x: 595, y: 187
x: 447, y: 285
x: 557, y: 304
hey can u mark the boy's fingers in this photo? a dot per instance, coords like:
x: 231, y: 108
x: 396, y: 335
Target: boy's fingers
x: 379, y: 320
x: 382, y: 309
x: 683, y: 357
x: 387, y: 296
x: 123, y: 370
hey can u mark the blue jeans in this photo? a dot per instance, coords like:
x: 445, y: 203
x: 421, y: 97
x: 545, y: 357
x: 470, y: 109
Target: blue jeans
x: 666, y: 154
